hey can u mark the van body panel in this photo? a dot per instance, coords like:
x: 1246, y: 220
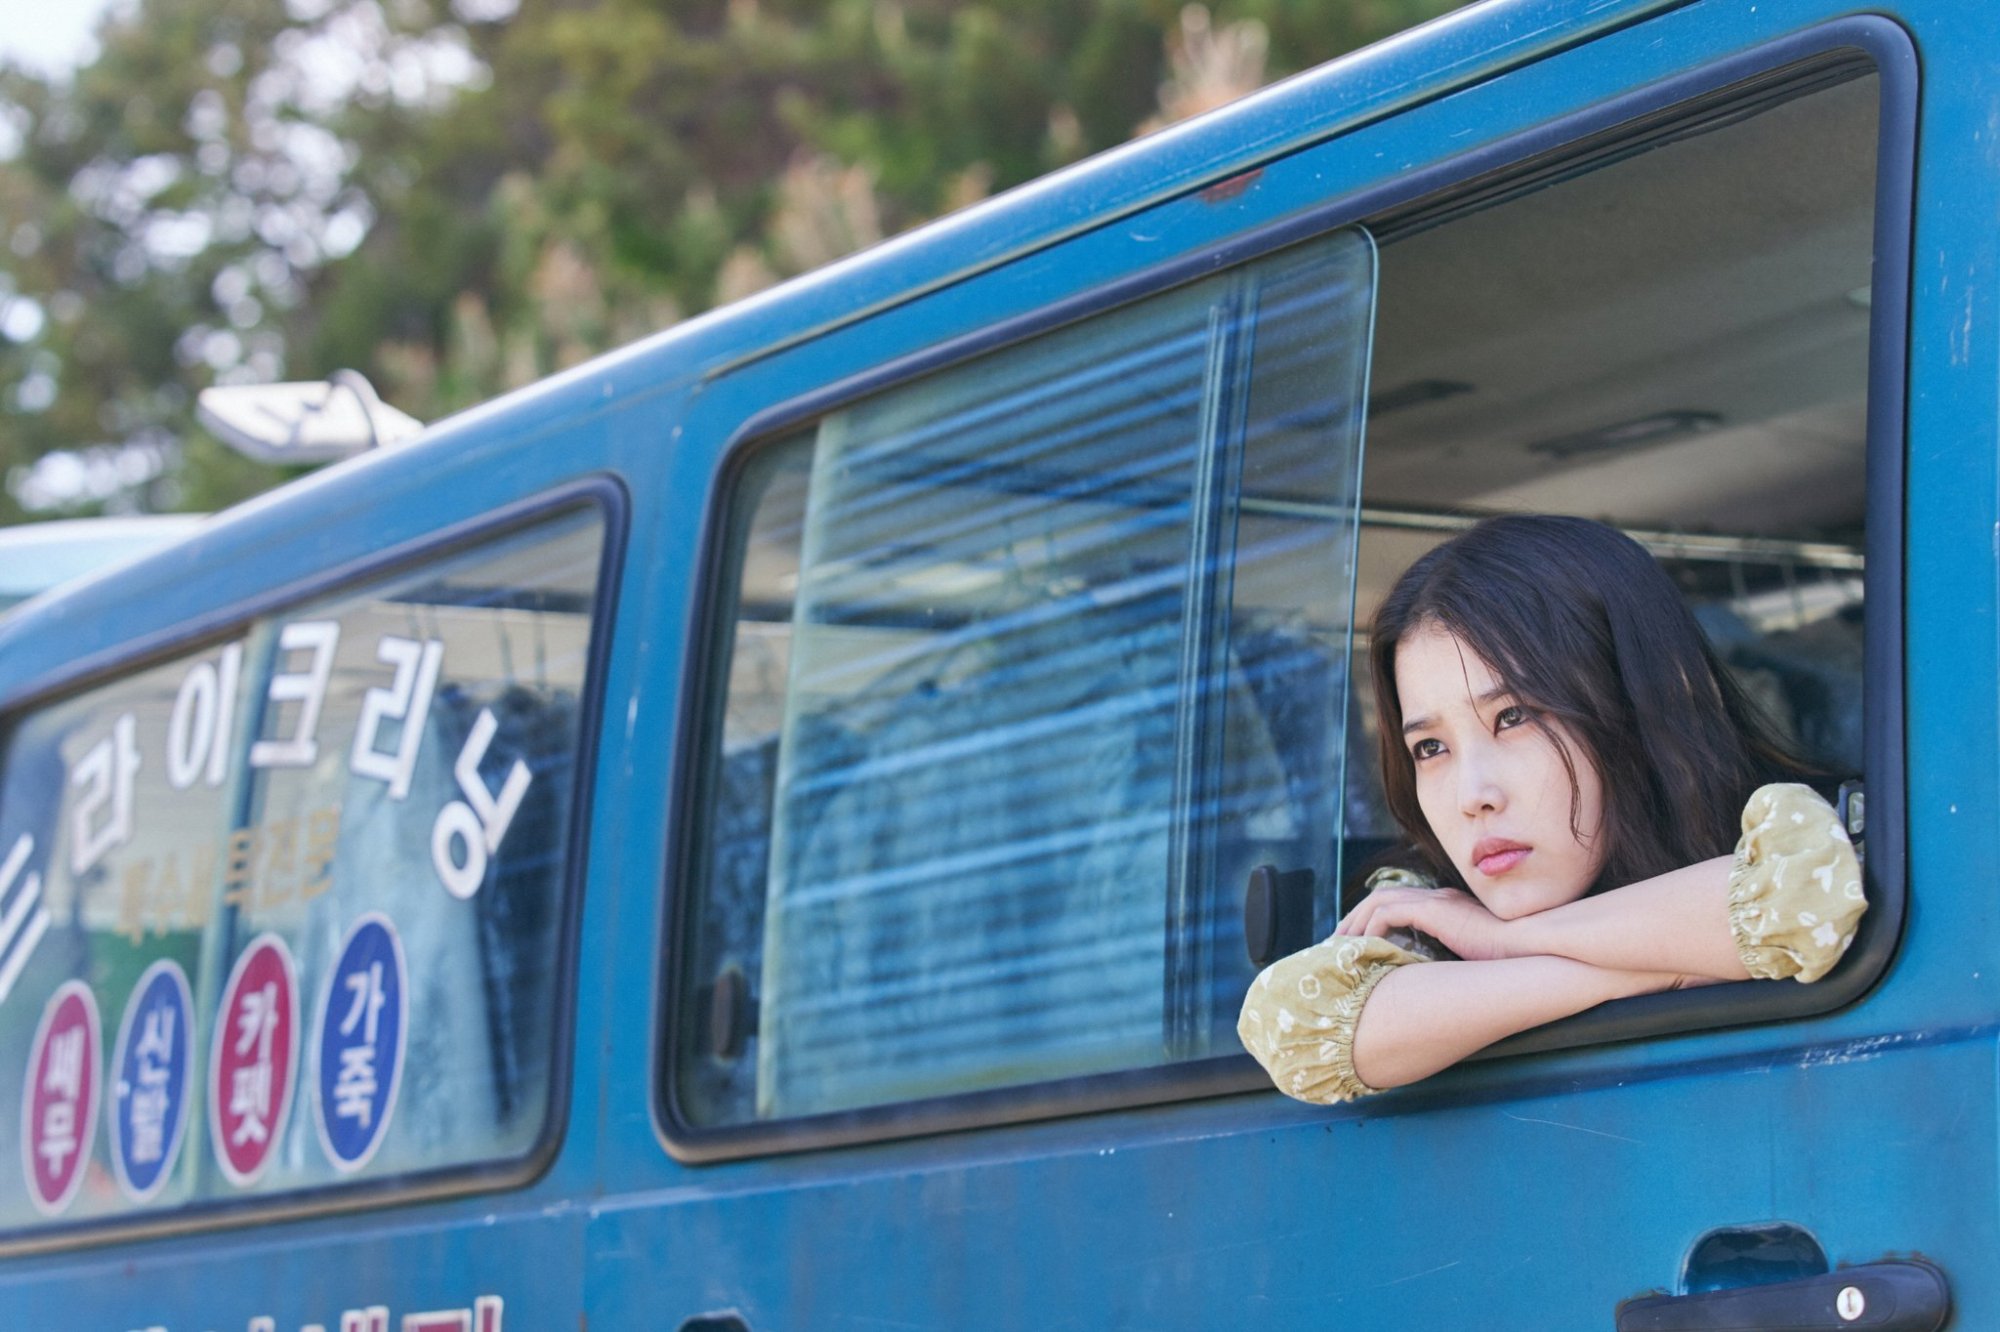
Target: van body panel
x: 1532, y: 1192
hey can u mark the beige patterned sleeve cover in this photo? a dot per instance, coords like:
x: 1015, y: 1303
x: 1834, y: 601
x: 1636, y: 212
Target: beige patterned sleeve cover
x: 1795, y: 889
x: 1298, y: 1019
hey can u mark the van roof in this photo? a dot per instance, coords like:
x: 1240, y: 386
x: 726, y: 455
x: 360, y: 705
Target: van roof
x: 35, y: 557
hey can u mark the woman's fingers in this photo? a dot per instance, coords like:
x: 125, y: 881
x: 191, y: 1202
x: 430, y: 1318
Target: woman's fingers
x: 1358, y: 921
x: 1454, y: 917
x: 1391, y: 915
x: 1381, y: 923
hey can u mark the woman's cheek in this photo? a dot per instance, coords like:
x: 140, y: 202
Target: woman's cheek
x: 1430, y: 799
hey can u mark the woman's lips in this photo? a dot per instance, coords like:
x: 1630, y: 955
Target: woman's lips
x: 1494, y: 856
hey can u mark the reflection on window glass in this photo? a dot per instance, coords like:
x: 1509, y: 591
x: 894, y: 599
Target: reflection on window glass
x: 311, y: 882
x: 1031, y: 661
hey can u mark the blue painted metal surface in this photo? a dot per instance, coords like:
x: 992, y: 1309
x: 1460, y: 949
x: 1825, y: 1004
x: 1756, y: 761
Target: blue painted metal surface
x: 1524, y: 1193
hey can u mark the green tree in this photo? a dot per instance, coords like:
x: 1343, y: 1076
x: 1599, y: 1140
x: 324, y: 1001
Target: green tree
x: 459, y: 196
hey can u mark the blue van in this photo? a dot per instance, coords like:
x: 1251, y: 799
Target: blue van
x: 754, y: 832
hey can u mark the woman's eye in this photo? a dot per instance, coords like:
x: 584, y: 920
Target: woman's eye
x: 1424, y: 749
x: 1512, y: 715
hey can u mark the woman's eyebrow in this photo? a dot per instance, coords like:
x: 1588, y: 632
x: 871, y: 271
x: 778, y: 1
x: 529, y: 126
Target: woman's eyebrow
x: 1425, y: 722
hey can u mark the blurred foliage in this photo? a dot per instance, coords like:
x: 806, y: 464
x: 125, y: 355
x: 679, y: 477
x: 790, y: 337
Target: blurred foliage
x: 459, y: 196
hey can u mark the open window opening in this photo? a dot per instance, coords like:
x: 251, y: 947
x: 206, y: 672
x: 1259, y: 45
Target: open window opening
x: 1676, y: 343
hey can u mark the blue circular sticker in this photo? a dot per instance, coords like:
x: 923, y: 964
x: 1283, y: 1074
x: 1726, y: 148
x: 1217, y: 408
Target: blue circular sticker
x: 361, y: 1029
x: 149, y: 1066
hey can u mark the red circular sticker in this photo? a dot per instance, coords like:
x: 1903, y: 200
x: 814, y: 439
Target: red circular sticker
x: 252, y: 1058
x: 59, y: 1104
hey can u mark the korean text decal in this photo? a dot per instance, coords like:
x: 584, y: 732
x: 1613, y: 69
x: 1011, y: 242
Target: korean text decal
x: 360, y: 1042
x: 59, y: 1103
x: 150, y: 1068
x: 23, y: 917
x: 287, y: 905
x: 253, y: 1058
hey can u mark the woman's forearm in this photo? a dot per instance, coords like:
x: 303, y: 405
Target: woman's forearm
x: 1677, y: 922
x: 1421, y: 1019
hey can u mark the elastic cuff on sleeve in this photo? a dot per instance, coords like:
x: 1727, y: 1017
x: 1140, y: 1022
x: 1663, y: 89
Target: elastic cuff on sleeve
x: 1795, y: 894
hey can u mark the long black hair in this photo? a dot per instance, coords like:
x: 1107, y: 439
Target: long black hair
x: 1586, y: 629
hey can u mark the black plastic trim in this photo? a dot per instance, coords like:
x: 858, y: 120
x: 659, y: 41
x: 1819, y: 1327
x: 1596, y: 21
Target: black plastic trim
x: 1581, y: 140
x: 607, y: 495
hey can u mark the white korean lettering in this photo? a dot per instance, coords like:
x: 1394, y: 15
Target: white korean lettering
x: 250, y: 1098
x: 439, y: 1320
x: 154, y: 1054
x: 156, y: 1034
x: 64, y: 1075
x: 57, y: 1141
x: 408, y: 700
x: 307, y: 688
x: 355, y: 1086
x: 25, y: 918
x: 198, y: 729
x: 250, y: 1086
x: 149, y: 1119
x: 62, y: 1079
x: 457, y: 823
x: 107, y: 773
x: 479, y: 821
x: 484, y: 1315
x: 364, y: 1010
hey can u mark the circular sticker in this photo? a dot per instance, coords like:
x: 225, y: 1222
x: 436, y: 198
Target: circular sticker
x: 59, y: 1102
x: 360, y: 1042
x: 149, y: 1092
x: 252, y: 1058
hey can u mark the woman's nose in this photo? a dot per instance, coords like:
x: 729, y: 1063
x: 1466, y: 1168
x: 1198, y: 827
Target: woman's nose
x: 1478, y: 790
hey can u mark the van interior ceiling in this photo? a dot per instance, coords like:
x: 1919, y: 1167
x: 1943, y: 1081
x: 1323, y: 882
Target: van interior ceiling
x: 1676, y: 342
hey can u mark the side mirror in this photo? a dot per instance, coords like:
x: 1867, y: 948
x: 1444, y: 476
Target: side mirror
x: 304, y: 422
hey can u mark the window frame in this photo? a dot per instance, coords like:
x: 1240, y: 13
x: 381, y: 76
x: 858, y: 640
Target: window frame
x: 608, y: 497
x: 1580, y: 141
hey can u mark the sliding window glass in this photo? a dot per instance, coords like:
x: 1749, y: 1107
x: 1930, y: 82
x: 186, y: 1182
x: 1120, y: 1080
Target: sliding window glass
x: 1021, y: 667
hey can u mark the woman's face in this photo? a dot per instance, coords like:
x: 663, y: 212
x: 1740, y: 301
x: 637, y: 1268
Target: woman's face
x: 1491, y: 784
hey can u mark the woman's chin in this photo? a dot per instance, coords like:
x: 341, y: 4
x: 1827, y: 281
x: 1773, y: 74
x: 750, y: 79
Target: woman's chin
x: 1511, y: 900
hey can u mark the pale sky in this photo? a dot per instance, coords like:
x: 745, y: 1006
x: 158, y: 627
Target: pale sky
x: 48, y: 37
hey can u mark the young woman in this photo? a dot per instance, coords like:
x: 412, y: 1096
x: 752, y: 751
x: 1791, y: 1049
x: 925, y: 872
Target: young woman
x: 1573, y: 767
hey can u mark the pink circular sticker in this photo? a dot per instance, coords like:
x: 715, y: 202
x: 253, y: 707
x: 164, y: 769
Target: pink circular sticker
x: 253, y: 1055
x: 59, y: 1103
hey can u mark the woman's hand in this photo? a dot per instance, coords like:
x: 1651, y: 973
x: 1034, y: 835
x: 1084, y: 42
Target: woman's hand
x: 1452, y: 916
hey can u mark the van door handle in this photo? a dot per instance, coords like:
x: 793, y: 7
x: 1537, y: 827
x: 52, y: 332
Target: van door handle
x: 1903, y: 1296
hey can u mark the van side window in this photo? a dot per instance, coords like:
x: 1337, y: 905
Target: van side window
x: 1019, y: 676
x: 289, y: 910
x: 1023, y: 665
